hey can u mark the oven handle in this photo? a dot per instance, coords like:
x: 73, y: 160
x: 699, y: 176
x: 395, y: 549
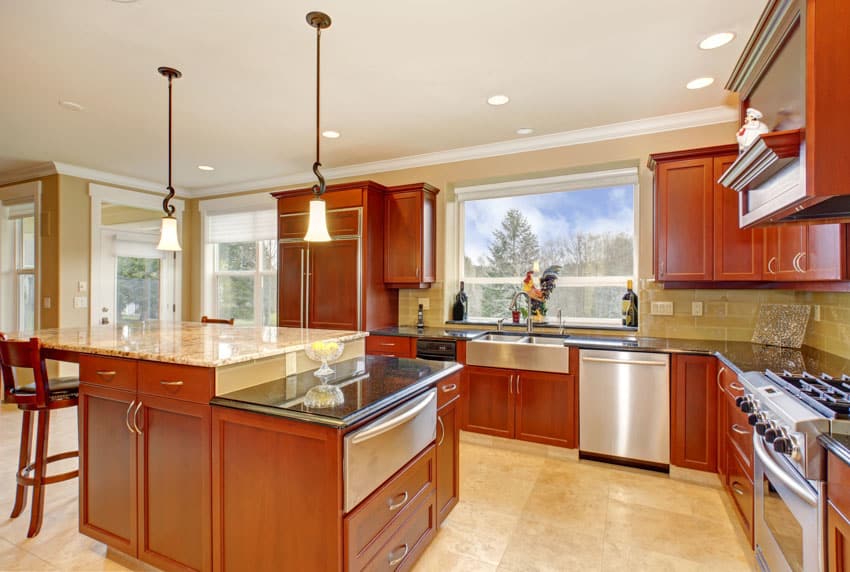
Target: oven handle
x: 775, y: 470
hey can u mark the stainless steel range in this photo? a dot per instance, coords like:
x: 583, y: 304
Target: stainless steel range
x: 788, y: 413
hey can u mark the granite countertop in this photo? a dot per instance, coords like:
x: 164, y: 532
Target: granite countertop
x: 837, y: 444
x: 436, y: 333
x: 491, y: 324
x: 368, y: 383
x: 188, y: 343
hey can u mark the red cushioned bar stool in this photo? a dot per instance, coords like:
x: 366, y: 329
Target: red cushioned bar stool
x: 42, y: 396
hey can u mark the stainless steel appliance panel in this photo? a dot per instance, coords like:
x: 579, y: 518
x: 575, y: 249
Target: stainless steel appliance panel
x: 374, y: 452
x: 624, y: 405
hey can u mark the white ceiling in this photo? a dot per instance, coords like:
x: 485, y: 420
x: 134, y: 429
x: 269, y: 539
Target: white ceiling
x: 399, y: 77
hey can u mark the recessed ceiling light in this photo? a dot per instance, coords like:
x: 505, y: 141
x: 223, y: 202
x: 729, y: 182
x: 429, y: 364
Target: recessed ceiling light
x: 206, y: 168
x: 524, y: 131
x: 330, y: 134
x: 71, y: 105
x: 700, y: 82
x: 498, y: 99
x: 716, y: 40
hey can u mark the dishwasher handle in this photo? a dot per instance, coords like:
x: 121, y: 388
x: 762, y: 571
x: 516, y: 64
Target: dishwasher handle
x: 395, y: 421
x: 624, y: 361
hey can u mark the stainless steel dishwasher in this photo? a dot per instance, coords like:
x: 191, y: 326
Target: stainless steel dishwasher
x: 624, y: 407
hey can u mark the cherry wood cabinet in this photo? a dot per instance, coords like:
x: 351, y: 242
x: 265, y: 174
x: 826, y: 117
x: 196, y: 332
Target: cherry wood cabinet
x: 448, y: 448
x: 410, y: 235
x: 518, y: 404
x: 693, y: 398
x: 291, y: 296
x: 332, y: 291
x: 738, y: 253
x: 838, y: 507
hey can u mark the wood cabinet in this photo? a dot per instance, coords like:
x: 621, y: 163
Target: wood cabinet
x: 337, y: 284
x: 805, y: 252
x: 448, y: 448
x: 392, y: 346
x: 693, y: 398
x: 738, y: 253
x: 410, y: 235
x: 145, y: 480
x: 838, y: 507
x: 517, y: 404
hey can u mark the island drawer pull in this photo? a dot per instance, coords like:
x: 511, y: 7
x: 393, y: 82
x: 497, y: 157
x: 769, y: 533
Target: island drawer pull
x: 395, y: 561
x: 737, y: 429
x: 107, y: 374
x: 127, y: 416
x: 172, y: 383
x: 387, y: 344
x: 449, y: 387
x: 736, y: 386
x: 738, y: 489
x: 136, y: 418
x: 624, y: 362
x: 393, y: 506
x: 394, y: 421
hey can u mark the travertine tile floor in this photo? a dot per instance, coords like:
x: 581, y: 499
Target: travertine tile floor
x: 520, y: 512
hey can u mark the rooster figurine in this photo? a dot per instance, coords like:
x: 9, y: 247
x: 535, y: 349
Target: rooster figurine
x: 539, y: 296
x: 529, y: 288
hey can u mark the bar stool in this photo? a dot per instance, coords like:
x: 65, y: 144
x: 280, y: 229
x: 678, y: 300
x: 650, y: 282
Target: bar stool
x: 42, y: 396
x: 207, y: 320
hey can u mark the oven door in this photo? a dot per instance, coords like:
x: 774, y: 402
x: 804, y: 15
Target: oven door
x: 789, y: 528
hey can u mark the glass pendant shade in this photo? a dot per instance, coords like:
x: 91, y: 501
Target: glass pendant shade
x: 168, y: 235
x: 317, y: 226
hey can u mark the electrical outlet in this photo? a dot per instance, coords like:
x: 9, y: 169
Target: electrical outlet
x: 426, y: 303
x: 46, y: 303
x: 816, y: 313
x: 661, y: 309
x: 696, y: 308
x: 81, y: 302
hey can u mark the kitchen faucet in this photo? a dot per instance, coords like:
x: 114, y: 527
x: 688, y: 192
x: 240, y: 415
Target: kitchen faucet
x: 513, y: 307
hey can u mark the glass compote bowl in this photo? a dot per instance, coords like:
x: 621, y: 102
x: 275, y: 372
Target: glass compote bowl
x: 324, y: 394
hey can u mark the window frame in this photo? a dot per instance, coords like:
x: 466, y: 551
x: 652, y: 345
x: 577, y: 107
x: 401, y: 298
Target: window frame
x: 257, y: 274
x: 537, y: 186
x: 21, y: 270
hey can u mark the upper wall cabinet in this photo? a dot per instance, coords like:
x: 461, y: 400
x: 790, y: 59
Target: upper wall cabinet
x: 796, y: 71
x: 410, y: 236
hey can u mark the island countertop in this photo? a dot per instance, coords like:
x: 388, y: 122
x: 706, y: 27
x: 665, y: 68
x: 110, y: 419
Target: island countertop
x: 187, y: 343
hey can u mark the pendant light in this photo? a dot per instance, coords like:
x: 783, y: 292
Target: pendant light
x: 168, y: 239
x: 317, y: 227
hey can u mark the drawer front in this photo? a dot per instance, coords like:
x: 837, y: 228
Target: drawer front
x: 107, y: 371
x: 740, y: 487
x: 448, y: 389
x: 178, y: 381
x: 392, y: 502
x: 401, y: 545
x: 838, y: 483
x: 393, y: 346
x: 740, y: 435
x: 340, y: 223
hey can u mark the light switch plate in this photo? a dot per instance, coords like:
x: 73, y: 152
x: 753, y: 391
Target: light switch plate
x: 81, y: 302
x: 46, y: 303
x: 696, y: 308
x: 816, y: 312
x: 82, y: 286
x: 426, y: 303
x: 661, y: 309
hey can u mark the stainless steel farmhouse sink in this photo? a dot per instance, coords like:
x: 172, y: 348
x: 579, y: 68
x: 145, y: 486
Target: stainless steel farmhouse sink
x: 519, y: 351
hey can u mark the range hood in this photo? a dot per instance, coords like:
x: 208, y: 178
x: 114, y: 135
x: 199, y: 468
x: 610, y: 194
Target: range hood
x: 794, y: 69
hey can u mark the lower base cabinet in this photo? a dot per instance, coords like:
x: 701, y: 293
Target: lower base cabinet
x: 448, y: 448
x: 693, y: 419
x: 837, y: 540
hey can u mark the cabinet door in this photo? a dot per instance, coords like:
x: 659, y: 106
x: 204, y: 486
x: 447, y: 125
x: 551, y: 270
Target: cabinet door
x: 403, y: 237
x: 685, y: 220
x: 722, y: 399
x: 333, y: 292
x: 108, y: 466
x: 782, y: 246
x: 174, y: 483
x: 447, y: 459
x: 694, y: 416
x: 545, y: 406
x: 737, y: 252
x: 824, y: 257
x: 490, y: 401
x: 838, y: 540
x: 291, y: 301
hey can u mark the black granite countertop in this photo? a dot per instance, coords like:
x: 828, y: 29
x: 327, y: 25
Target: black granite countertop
x: 491, y: 324
x: 837, y: 444
x: 436, y: 333
x: 368, y: 383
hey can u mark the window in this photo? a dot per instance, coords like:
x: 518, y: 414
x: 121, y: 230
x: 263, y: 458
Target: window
x: 582, y: 226
x: 242, y: 256
x: 24, y: 230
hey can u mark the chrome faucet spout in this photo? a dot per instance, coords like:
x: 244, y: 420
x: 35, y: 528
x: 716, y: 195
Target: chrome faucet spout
x: 513, y: 306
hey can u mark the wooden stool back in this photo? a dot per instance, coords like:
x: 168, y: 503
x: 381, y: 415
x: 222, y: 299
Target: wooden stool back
x: 23, y: 354
x: 208, y: 320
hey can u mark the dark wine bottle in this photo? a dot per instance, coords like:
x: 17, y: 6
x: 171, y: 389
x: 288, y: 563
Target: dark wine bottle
x: 630, y: 307
x: 459, y: 307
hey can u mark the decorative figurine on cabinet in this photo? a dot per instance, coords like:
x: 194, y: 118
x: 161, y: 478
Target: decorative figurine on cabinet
x: 751, y: 129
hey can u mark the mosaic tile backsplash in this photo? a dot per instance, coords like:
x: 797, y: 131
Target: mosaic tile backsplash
x: 781, y: 325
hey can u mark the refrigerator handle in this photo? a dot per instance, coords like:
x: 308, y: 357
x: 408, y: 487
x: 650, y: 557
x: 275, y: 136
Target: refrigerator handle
x: 301, y: 282
x: 307, y: 289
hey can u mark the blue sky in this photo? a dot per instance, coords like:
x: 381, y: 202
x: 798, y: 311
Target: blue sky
x: 591, y: 210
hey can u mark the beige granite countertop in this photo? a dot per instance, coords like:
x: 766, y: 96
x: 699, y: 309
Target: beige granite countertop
x: 189, y: 343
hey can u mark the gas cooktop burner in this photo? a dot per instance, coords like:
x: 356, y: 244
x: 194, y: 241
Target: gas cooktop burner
x: 825, y: 394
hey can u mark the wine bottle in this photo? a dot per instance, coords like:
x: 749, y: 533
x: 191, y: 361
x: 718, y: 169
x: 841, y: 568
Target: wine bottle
x: 459, y: 307
x: 420, y: 318
x: 630, y: 307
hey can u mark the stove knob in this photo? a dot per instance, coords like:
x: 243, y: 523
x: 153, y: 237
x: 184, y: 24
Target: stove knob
x: 771, y: 434
x: 741, y: 399
x: 761, y: 427
x: 748, y: 406
x: 752, y: 418
x: 782, y: 445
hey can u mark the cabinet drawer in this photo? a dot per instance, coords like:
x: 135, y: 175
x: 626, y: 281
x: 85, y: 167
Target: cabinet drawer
x: 740, y: 435
x: 394, y: 501
x: 398, y: 547
x: 340, y: 223
x: 394, y: 346
x: 740, y: 487
x: 178, y: 381
x: 448, y: 389
x: 113, y: 372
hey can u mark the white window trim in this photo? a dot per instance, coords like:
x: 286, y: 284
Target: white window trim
x: 536, y: 186
x: 30, y: 191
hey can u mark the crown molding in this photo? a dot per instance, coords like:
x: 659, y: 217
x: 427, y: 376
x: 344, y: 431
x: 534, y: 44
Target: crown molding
x: 56, y: 168
x: 27, y: 173
x: 658, y: 124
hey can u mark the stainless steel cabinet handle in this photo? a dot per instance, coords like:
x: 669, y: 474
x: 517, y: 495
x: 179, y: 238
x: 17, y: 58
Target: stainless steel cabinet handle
x: 739, y: 430
x: 127, y: 416
x: 177, y: 382
x: 395, y: 505
x: 769, y: 263
x: 737, y: 488
x: 395, y: 421
x: 417, y: 272
x: 443, y: 427
x: 448, y: 388
x: 511, y: 384
x: 624, y: 362
x: 518, y: 379
x: 800, y: 262
x: 136, y: 418
x: 395, y: 561
x: 387, y: 344
x: 302, y: 282
x: 107, y: 375
x: 794, y: 263
x: 719, y: 373
x: 736, y: 386
x: 307, y: 293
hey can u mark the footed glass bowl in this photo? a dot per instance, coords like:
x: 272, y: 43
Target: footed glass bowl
x: 324, y: 394
x: 324, y: 352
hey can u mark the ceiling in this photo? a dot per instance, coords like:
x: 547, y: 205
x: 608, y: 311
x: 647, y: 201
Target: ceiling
x: 399, y: 77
